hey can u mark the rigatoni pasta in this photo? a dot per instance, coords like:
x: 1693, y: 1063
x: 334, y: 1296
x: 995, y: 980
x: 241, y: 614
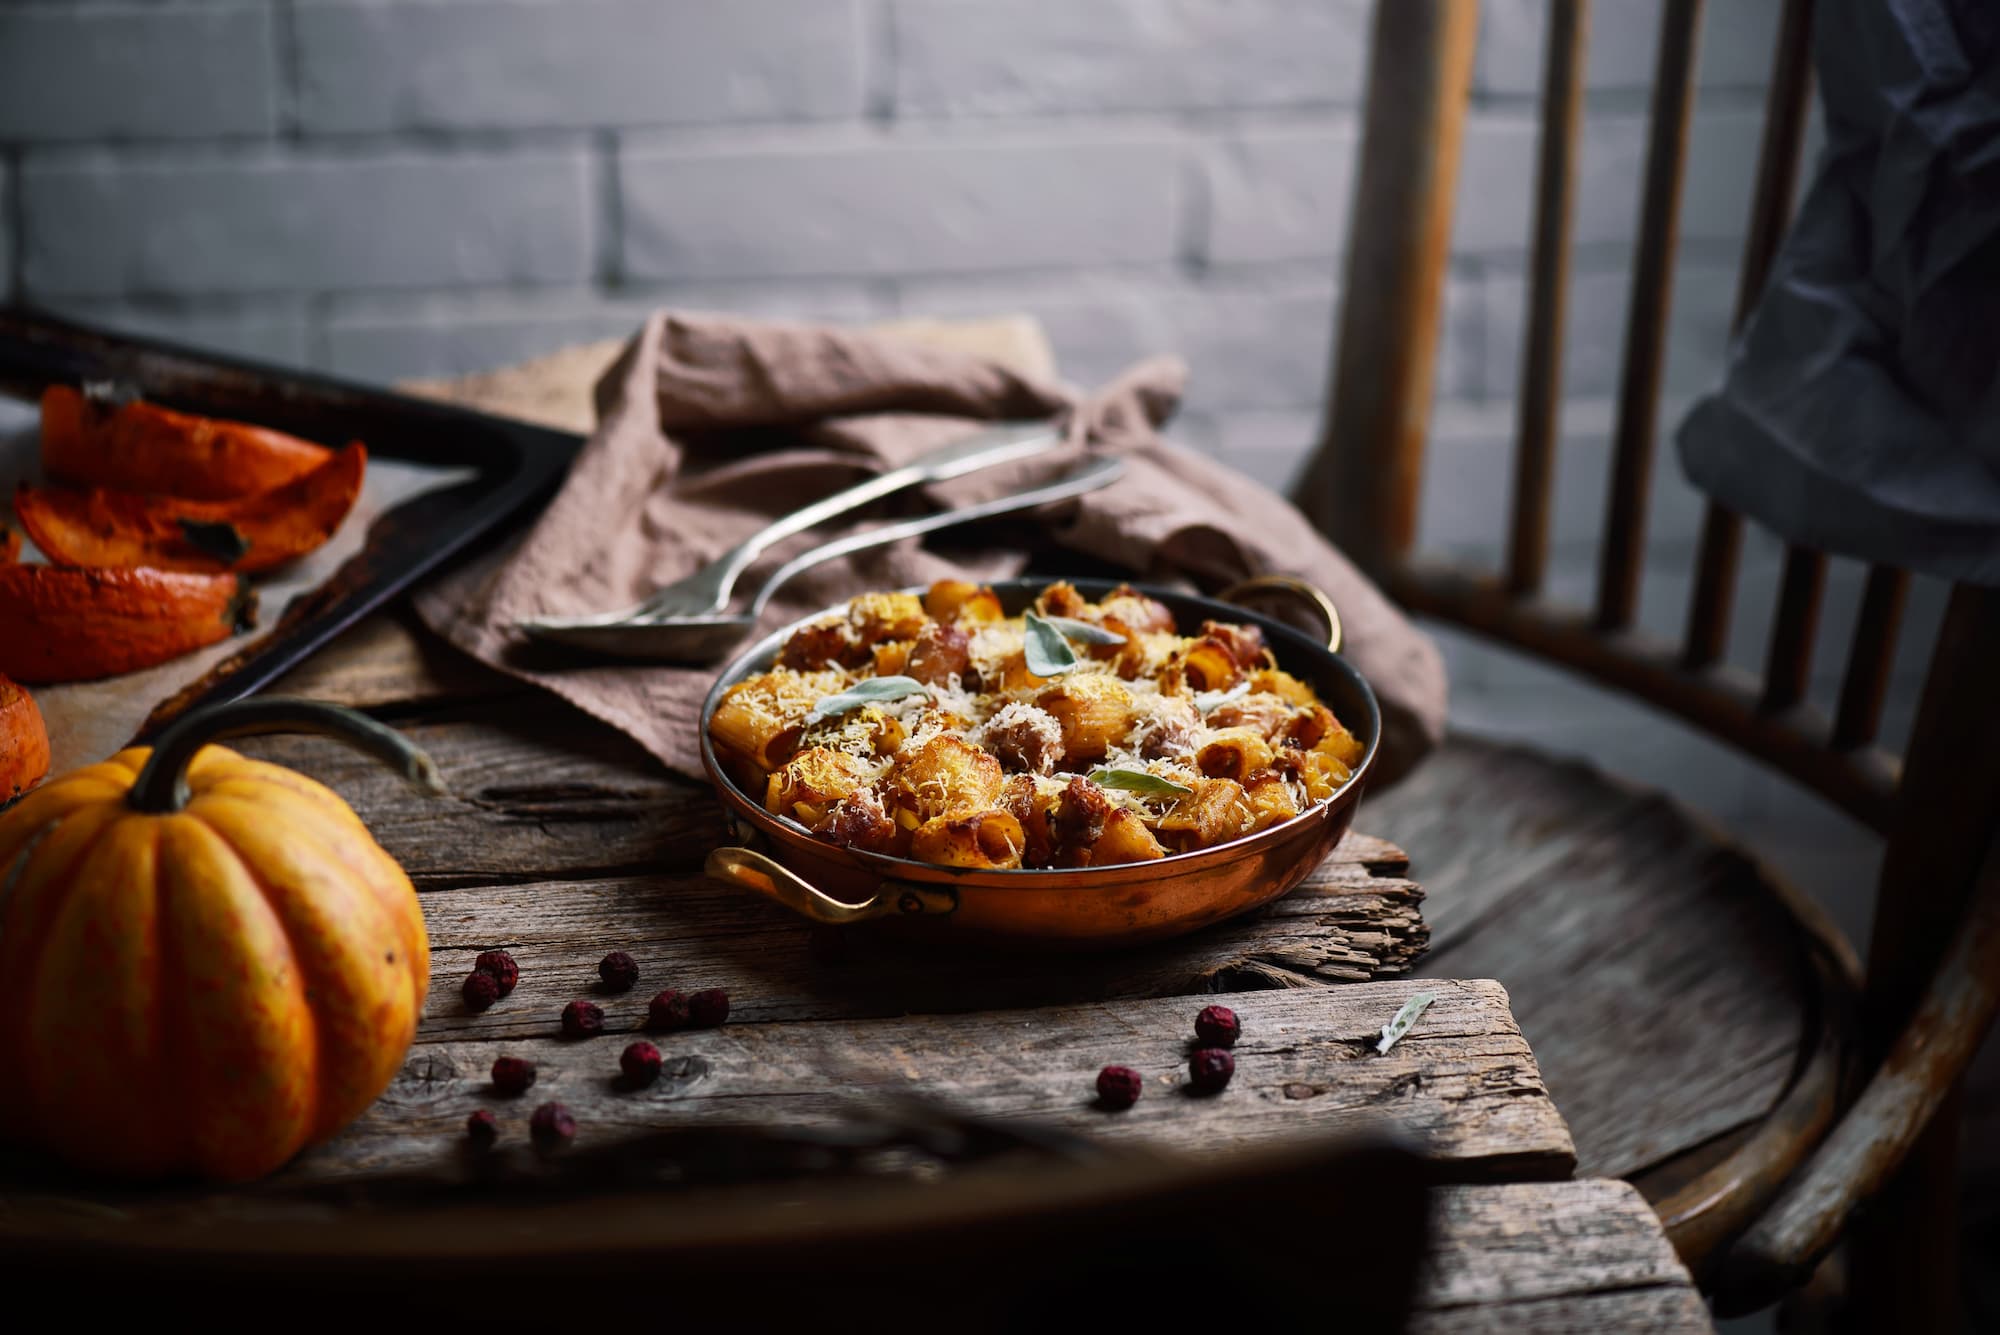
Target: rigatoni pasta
x: 1078, y: 734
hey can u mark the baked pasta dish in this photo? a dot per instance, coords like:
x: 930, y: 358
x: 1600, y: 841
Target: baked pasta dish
x: 1077, y: 734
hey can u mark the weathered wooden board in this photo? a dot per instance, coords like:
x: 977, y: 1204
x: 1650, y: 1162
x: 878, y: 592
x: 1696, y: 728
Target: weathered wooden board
x: 1463, y: 1084
x: 537, y: 789
x: 1579, y: 1257
x: 390, y: 660
x: 1609, y: 912
x: 688, y: 932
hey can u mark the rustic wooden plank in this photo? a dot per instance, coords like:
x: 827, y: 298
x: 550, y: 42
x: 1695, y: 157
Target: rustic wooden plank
x: 1561, y: 1256
x: 390, y: 660
x: 1463, y: 1084
x: 537, y: 790
x: 541, y: 791
x: 1608, y: 910
x: 1344, y: 925
x: 1655, y: 1311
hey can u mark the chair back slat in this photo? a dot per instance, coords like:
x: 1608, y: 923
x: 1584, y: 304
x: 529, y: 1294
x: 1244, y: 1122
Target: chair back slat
x: 1624, y: 550
x: 1366, y: 490
x: 1785, y: 106
x: 1866, y: 680
x: 1788, y: 665
x: 1714, y: 588
x: 1548, y: 295
x: 1364, y: 481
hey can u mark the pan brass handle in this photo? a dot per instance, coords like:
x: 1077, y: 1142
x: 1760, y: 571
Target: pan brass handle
x: 1298, y: 588
x: 773, y: 880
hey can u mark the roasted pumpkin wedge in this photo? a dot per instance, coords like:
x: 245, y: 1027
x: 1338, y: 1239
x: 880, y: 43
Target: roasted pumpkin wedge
x: 24, y: 742
x: 249, y: 533
x: 60, y: 624
x: 138, y: 446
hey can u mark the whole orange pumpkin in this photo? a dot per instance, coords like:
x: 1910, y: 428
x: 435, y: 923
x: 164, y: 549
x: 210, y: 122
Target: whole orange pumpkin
x: 207, y: 963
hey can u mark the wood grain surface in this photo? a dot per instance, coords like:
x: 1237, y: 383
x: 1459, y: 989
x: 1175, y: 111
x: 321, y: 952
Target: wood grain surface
x: 1462, y: 1085
x: 1609, y: 912
x: 1577, y: 1257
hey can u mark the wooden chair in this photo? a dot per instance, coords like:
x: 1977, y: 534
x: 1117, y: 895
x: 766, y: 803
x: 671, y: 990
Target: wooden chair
x: 1867, y: 1112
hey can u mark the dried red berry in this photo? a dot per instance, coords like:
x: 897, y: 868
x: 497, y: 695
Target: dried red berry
x: 552, y: 1125
x: 619, y: 971
x: 708, y: 1008
x: 501, y: 965
x: 582, y: 1019
x: 1119, y: 1087
x: 1217, y: 1027
x: 667, y: 1010
x: 1210, y: 1069
x: 481, y: 1129
x: 640, y: 1062
x: 480, y: 990
x: 513, y: 1075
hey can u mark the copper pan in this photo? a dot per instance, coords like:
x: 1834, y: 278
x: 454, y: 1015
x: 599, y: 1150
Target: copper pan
x: 1066, y: 908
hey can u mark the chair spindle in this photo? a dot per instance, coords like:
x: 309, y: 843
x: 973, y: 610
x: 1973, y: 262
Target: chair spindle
x: 1788, y: 666
x: 1770, y: 213
x: 1870, y: 657
x: 1623, y: 554
x: 1548, y: 295
x: 1365, y: 478
x: 1714, y: 588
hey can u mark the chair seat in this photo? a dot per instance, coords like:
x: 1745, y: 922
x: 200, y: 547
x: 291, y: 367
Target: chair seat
x: 1659, y: 973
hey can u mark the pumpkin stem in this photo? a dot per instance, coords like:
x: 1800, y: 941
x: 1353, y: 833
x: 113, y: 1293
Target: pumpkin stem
x: 162, y: 783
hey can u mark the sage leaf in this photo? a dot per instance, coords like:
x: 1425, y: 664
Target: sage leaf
x: 1208, y: 701
x: 1082, y: 632
x: 1047, y: 652
x: 1139, y: 781
x: 867, y: 691
x: 1405, y: 1020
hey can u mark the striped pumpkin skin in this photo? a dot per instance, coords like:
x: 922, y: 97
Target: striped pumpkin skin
x: 204, y: 991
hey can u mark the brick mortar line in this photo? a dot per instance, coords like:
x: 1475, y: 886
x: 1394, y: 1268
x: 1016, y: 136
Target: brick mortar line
x: 880, y: 56
x: 287, y: 68
x: 753, y: 136
x: 607, y: 203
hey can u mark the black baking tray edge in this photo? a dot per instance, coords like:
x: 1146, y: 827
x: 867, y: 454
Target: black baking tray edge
x: 516, y: 466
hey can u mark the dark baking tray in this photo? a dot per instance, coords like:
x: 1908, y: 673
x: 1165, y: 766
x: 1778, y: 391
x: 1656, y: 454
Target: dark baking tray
x: 515, y: 467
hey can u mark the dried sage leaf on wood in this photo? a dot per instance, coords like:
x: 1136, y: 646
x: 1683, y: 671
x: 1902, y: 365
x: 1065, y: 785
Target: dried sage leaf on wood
x: 1405, y: 1020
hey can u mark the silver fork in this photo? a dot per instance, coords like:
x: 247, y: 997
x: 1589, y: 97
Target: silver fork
x: 703, y: 639
x: 708, y: 590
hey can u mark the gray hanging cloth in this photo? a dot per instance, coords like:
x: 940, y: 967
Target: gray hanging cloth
x: 1860, y: 413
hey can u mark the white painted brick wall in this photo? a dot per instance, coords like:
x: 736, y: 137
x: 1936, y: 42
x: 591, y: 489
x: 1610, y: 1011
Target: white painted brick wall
x: 885, y: 209
x: 536, y: 64
x: 193, y: 71
x: 276, y: 220
x: 979, y: 58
